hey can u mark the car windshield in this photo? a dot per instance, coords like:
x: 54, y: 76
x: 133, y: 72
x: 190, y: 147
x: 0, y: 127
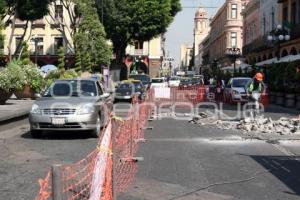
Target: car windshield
x: 157, y: 80
x: 71, y: 88
x: 141, y: 77
x: 185, y: 80
x: 137, y: 85
x: 125, y: 86
x: 240, y: 82
x: 174, y: 79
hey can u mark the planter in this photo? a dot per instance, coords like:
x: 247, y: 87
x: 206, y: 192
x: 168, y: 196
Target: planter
x: 4, y: 96
x: 272, y: 97
x: 298, y: 101
x: 27, y: 92
x: 290, y: 100
x: 279, y: 99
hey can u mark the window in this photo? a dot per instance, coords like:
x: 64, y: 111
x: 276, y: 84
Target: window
x: 139, y: 45
x: 233, y: 11
x: 18, y: 43
x: 285, y: 14
x: 58, y: 43
x: 294, y: 13
x: 233, y: 39
x: 38, y: 43
x: 59, y: 12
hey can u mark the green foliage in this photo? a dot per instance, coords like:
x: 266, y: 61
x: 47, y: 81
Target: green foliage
x: 5, y: 82
x: 25, y: 57
x: 78, y: 67
x: 127, y: 20
x: 16, y: 75
x: 56, y: 75
x: 61, y: 59
x: 33, y: 77
x: 31, y: 9
x: 90, y: 38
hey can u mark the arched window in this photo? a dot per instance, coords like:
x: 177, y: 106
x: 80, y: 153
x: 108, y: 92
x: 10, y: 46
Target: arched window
x: 284, y: 53
x: 264, y: 57
x: 270, y: 56
x: 293, y: 51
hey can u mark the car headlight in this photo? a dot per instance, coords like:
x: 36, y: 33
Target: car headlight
x: 235, y: 92
x: 86, y: 109
x: 35, y: 109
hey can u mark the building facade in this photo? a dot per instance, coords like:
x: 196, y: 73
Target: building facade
x: 273, y: 13
x: 226, y: 31
x: 201, y: 30
x: 186, y: 55
x: 43, y: 36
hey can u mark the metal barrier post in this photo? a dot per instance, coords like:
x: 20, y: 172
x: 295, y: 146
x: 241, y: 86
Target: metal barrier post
x: 56, y: 182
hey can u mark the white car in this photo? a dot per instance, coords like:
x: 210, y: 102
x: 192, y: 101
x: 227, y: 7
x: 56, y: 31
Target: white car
x: 174, y: 81
x: 235, y: 90
x: 158, y: 82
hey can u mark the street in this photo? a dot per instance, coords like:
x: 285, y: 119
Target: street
x: 181, y: 161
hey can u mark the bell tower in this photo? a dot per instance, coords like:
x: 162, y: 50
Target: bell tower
x: 201, y: 28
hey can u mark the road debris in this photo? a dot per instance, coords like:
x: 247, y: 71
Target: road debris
x: 261, y: 124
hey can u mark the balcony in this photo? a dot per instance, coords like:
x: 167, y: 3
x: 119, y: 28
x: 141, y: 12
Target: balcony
x: 257, y: 45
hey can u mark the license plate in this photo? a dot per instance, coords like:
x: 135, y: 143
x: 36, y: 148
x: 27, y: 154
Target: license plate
x: 58, y: 121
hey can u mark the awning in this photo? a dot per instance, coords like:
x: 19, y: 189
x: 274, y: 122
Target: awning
x: 231, y: 68
x: 289, y: 58
x: 266, y: 62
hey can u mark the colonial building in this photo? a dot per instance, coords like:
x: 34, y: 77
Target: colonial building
x: 201, y: 30
x: 226, y: 32
x: 286, y: 13
x: 43, y: 36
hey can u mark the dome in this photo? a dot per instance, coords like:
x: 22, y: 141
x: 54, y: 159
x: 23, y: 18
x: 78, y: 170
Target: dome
x: 201, y: 12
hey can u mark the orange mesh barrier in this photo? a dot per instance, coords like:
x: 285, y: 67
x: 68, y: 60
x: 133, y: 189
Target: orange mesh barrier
x: 109, y: 169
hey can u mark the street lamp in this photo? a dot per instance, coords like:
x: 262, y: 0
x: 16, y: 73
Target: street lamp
x: 234, y: 53
x: 278, y: 36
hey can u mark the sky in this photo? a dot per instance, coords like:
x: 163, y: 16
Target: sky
x: 181, y: 30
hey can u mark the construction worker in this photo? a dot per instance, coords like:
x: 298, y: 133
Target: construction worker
x: 255, y: 88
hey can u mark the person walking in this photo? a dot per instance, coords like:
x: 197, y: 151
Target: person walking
x: 255, y: 89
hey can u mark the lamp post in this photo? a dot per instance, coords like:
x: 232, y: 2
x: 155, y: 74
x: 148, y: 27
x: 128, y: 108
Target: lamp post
x: 278, y: 36
x: 35, y: 39
x: 234, y: 53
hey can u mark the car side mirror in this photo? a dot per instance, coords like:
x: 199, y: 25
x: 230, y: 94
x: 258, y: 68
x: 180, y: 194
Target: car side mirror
x: 105, y: 95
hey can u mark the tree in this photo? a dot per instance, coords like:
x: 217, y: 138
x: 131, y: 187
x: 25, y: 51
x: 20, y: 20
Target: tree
x: 61, y: 59
x: 128, y: 20
x: 25, y: 55
x: 26, y: 10
x: 90, y: 39
x: 87, y: 62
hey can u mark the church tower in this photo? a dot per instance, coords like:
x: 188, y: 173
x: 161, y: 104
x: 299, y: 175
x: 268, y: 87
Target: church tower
x: 201, y: 28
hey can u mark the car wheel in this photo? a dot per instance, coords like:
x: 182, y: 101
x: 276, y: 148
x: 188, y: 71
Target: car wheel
x: 97, y: 131
x: 36, y: 133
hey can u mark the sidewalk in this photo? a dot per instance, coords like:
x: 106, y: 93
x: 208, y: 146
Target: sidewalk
x: 14, y: 109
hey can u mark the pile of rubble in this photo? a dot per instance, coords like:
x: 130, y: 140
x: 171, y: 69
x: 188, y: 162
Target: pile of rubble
x: 283, y: 126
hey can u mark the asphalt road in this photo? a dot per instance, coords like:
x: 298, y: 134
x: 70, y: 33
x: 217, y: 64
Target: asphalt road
x: 182, y: 161
x: 185, y: 161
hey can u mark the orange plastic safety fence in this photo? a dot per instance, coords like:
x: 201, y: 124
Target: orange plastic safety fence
x: 78, y: 180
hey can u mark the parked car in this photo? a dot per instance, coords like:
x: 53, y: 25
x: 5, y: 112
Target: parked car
x: 158, y: 82
x: 185, y: 83
x: 174, y: 81
x: 144, y: 78
x: 235, y: 90
x: 71, y: 105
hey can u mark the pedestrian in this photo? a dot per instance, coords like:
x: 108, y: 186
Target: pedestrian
x: 219, y: 89
x: 254, y: 89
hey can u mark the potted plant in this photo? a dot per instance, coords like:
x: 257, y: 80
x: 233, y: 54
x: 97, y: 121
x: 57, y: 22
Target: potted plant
x: 5, y: 86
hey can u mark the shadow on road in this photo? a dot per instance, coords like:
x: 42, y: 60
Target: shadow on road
x: 60, y: 135
x: 284, y: 168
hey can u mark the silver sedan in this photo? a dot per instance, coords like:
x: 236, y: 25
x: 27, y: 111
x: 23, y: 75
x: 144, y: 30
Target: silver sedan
x: 71, y: 105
